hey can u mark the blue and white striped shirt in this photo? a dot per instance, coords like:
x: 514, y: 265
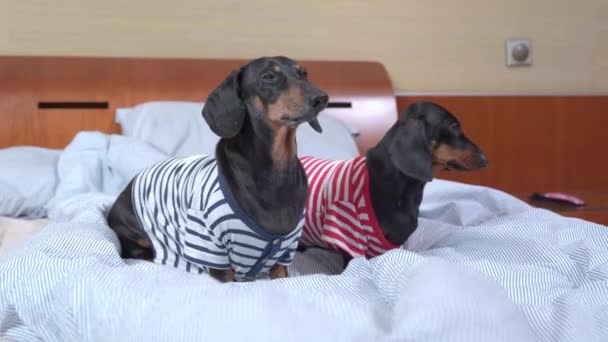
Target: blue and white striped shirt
x: 185, y: 206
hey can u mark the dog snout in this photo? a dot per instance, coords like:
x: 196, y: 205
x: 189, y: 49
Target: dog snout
x: 319, y: 101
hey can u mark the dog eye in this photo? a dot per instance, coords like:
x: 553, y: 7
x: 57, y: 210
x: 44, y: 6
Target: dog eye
x: 455, y: 128
x: 268, y: 77
x: 304, y: 74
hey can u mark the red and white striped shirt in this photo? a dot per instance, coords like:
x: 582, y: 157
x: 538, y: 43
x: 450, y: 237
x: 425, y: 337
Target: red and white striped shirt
x: 339, y: 213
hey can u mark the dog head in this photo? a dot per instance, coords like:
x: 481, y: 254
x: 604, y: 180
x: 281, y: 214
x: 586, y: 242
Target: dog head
x: 427, y: 137
x: 275, y: 90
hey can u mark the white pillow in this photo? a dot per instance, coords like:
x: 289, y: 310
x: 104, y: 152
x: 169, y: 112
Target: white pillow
x: 173, y: 127
x: 178, y: 128
x: 28, y: 180
x: 335, y: 142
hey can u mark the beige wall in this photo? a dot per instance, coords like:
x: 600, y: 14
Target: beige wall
x: 427, y: 46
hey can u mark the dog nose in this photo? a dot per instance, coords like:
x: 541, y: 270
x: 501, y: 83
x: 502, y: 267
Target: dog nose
x: 483, y: 160
x: 319, y: 102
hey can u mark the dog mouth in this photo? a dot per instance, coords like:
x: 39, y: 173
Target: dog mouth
x: 448, y: 165
x: 464, y: 163
x: 294, y: 122
x: 453, y: 165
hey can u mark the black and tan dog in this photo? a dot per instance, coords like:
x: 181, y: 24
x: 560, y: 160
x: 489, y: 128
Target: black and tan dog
x: 368, y: 205
x: 186, y: 211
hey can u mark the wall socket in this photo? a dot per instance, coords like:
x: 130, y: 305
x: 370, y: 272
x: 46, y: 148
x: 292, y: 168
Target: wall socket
x: 519, y: 52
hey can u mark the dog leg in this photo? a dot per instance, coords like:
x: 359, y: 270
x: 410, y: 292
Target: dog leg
x: 224, y: 276
x: 278, y: 271
x: 346, y: 259
x: 132, y: 250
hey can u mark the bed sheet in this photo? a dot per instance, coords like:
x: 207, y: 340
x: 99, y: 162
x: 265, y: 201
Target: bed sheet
x: 14, y: 232
x: 27, y: 180
x: 482, y: 266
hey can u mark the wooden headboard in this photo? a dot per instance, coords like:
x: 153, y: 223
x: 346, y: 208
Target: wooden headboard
x: 45, y: 101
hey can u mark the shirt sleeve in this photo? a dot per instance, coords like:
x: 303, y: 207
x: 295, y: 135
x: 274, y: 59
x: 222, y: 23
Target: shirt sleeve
x: 201, y: 246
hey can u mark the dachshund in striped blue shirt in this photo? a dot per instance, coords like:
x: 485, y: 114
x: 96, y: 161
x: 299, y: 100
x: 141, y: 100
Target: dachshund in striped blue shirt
x: 255, y: 111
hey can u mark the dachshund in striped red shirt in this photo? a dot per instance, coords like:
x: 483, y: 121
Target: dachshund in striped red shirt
x: 368, y: 205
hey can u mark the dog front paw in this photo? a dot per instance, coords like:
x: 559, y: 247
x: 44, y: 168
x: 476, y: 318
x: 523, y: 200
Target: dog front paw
x: 278, y: 271
x: 225, y: 276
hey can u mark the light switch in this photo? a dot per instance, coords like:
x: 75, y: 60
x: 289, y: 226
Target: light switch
x: 519, y: 52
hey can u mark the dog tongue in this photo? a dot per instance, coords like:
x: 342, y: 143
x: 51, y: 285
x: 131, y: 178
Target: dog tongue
x: 314, y: 123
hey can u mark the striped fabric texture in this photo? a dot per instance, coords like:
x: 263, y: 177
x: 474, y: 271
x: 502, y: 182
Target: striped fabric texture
x: 339, y: 214
x: 482, y: 266
x: 195, y: 223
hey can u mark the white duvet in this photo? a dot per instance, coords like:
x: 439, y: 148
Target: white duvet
x: 483, y: 266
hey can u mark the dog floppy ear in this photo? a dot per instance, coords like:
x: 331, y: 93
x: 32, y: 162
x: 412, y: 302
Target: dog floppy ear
x: 224, y: 110
x: 409, y: 150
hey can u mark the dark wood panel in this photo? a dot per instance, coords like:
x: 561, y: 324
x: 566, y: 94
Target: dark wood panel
x: 595, y: 208
x: 123, y: 82
x: 534, y: 143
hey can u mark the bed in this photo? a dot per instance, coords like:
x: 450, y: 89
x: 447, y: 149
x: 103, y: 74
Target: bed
x: 482, y: 266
